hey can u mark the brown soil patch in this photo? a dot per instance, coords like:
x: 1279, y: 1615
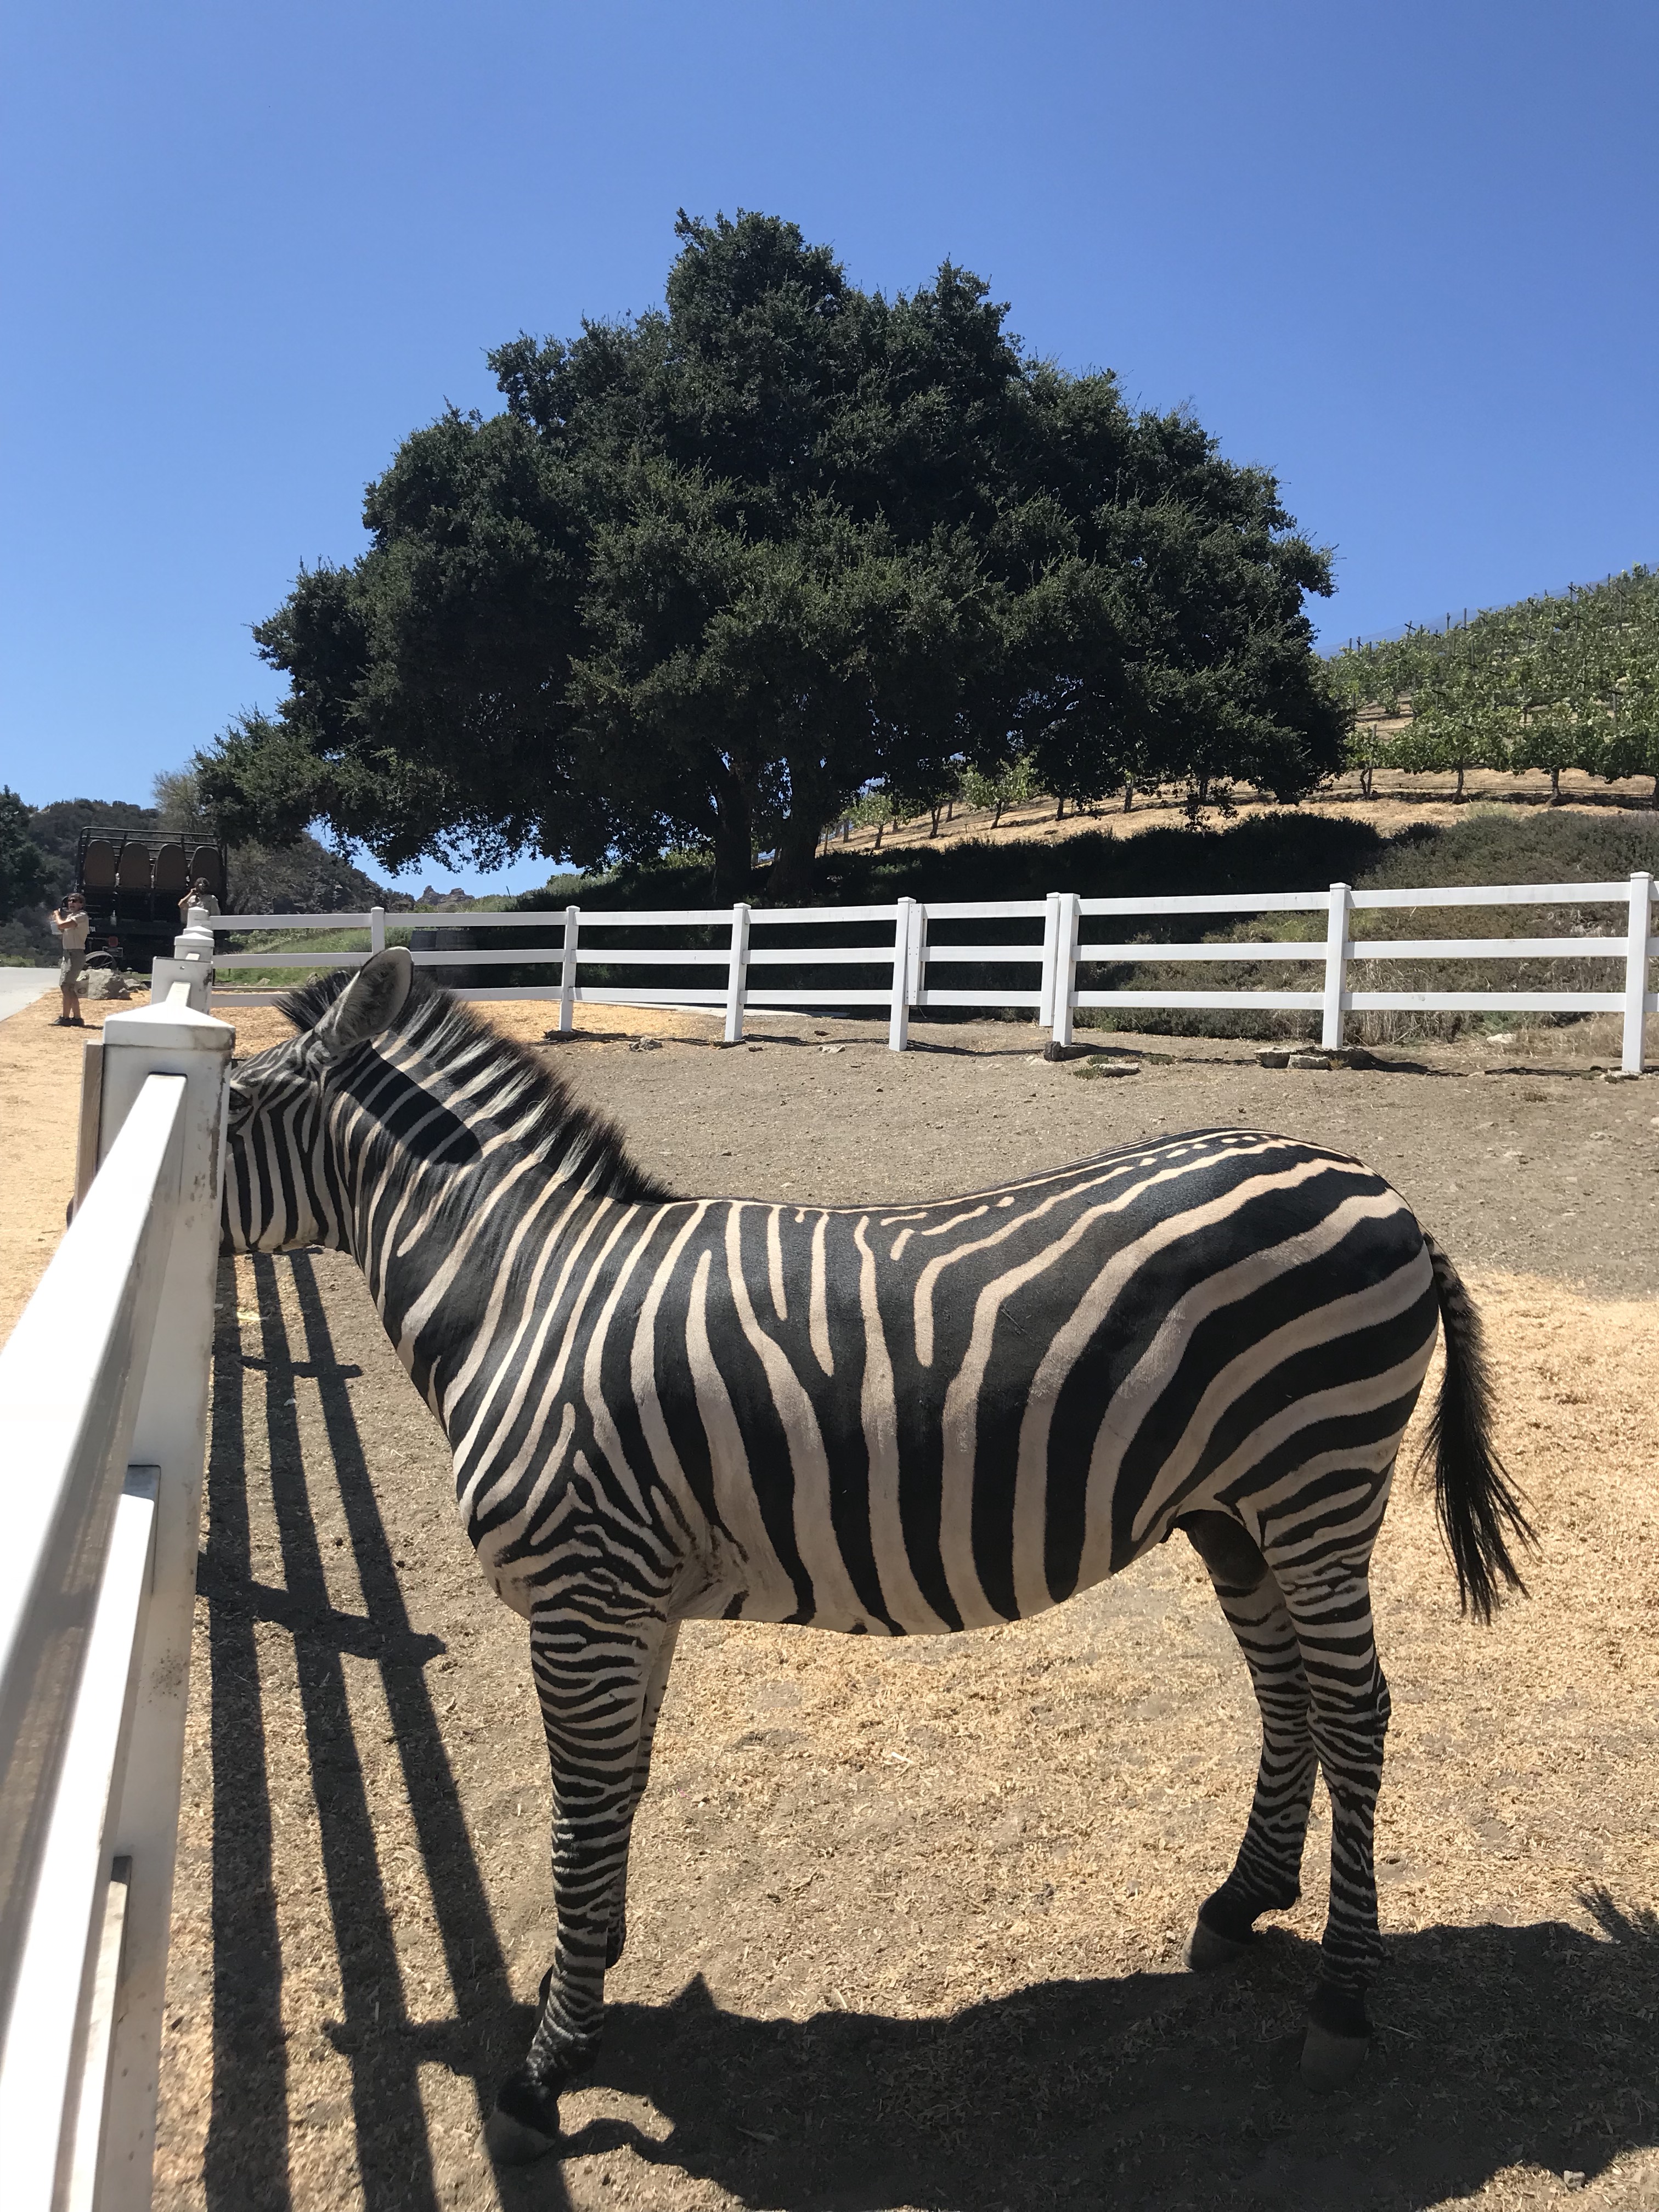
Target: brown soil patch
x: 258, y: 1028
x: 40, y: 1101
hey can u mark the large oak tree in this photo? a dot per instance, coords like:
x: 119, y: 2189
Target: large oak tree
x: 714, y: 570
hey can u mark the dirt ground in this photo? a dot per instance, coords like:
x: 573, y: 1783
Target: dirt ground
x: 905, y: 1921
x: 40, y: 1094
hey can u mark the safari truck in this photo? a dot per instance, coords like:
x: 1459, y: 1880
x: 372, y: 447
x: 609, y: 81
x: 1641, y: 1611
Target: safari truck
x: 132, y: 881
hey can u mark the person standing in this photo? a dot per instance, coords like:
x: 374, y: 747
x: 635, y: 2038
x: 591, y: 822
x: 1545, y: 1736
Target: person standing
x: 71, y: 922
x: 198, y: 895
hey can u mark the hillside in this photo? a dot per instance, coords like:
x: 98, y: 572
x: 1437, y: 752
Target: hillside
x: 1559, y: 683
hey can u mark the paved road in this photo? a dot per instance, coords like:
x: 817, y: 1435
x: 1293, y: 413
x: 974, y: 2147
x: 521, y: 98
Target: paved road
x: 22, y: 987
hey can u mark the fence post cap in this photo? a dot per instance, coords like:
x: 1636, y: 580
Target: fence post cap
x: 169, y: 1026
x: 194, y: 940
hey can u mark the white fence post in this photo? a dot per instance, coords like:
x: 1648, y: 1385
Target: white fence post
x: 737, y: 974
x: 917, y: 972
x: 171, y: 1436
x: 1638, y: 948
x: 1050, y: 947
x: 377, y: 929
x: 91, y: 1106
x: 1068, y: 918
x: 898, y: 1025
x: 191, y: 962
x: 1336, y: 968
x: 572, y: 922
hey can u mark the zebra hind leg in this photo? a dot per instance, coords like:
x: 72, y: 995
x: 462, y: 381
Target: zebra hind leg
x: 592, y: 1678
x: 1329, y: 1602
x: 1267, y: 1877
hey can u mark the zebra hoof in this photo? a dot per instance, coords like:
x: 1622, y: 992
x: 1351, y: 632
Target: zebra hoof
x: 525, y: 2124
x: 1330, y: 2062
x: 1209, y: 1951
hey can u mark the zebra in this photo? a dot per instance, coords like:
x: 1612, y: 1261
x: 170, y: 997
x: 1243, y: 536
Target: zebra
x: 892, y: 1420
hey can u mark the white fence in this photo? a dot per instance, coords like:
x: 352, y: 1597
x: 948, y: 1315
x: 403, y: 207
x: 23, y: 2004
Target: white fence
x: 906, y: 969
x: 103, y: 1406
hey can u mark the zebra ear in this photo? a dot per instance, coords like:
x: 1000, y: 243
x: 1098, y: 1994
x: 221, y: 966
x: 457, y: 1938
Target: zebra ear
x: 371, y: 1002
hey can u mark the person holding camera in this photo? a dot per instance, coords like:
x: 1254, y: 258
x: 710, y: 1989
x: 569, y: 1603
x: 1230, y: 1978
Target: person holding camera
x: 71, y: 922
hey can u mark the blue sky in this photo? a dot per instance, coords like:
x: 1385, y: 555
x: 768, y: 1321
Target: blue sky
x: 1405, y: 256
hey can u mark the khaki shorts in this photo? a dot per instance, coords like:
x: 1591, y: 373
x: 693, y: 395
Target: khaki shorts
x: 69, y: 970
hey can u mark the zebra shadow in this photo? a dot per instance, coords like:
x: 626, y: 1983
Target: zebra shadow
x: 1496, y: 2047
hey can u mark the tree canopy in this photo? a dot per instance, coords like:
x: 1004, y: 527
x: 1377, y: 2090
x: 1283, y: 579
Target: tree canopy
x: 22, y: 864
x: 714, y: 570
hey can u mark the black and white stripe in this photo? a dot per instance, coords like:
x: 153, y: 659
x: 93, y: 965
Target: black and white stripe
x: 902, y: 1420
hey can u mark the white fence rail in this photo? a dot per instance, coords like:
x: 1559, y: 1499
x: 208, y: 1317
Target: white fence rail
x: 917, y: 960
x: 103, y: 1406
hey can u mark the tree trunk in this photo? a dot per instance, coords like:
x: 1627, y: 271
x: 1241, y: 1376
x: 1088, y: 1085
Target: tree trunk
x: 933, y: 832
x: 1460, y: 783
x: 1060, y: 809
x: 734, y: 842
x: 789, y: 879
x: 1555, y: 787
x: 996, y: 819
x: 1128, y: 794
x: 1365, y: 775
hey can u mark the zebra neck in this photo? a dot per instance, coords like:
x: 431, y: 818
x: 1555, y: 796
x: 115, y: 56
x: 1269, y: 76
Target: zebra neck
x: 458, y: 1252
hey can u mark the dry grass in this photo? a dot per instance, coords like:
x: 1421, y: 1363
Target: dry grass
x: 1401, y: 799
x: 906, y: 1921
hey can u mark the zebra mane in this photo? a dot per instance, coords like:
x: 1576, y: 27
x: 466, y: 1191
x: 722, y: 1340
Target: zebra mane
x: 552, y: 1122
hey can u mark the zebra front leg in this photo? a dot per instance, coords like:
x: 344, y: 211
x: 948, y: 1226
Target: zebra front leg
x: 593, y: 1677
x: 1267, y: 1877
x: 1329, y: 1602
x: 655, y: 1691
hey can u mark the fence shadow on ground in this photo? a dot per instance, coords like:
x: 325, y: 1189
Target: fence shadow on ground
x: 251, y: 2123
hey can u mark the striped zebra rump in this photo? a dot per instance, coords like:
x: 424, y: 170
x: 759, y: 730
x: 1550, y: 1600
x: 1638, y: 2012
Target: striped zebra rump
x: 918, y: 1419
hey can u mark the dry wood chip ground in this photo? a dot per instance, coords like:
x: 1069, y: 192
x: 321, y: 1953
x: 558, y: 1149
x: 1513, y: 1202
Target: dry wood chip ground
x: 905, y: 1921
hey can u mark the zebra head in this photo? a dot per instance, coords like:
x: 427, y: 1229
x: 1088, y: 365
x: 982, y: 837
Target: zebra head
x: 280, y: 1190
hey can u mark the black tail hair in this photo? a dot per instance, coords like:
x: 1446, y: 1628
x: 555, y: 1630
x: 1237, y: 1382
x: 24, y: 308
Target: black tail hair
x: 1479, y: 1508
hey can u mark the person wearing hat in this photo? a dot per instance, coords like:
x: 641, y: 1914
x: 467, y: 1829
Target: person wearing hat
x: 71, y: 922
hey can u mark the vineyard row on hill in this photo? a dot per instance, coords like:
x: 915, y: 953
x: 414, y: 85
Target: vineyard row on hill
x: 1556, y: 682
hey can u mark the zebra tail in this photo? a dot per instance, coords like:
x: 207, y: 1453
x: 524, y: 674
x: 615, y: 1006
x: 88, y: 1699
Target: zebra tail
x: 1479, y: 1508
